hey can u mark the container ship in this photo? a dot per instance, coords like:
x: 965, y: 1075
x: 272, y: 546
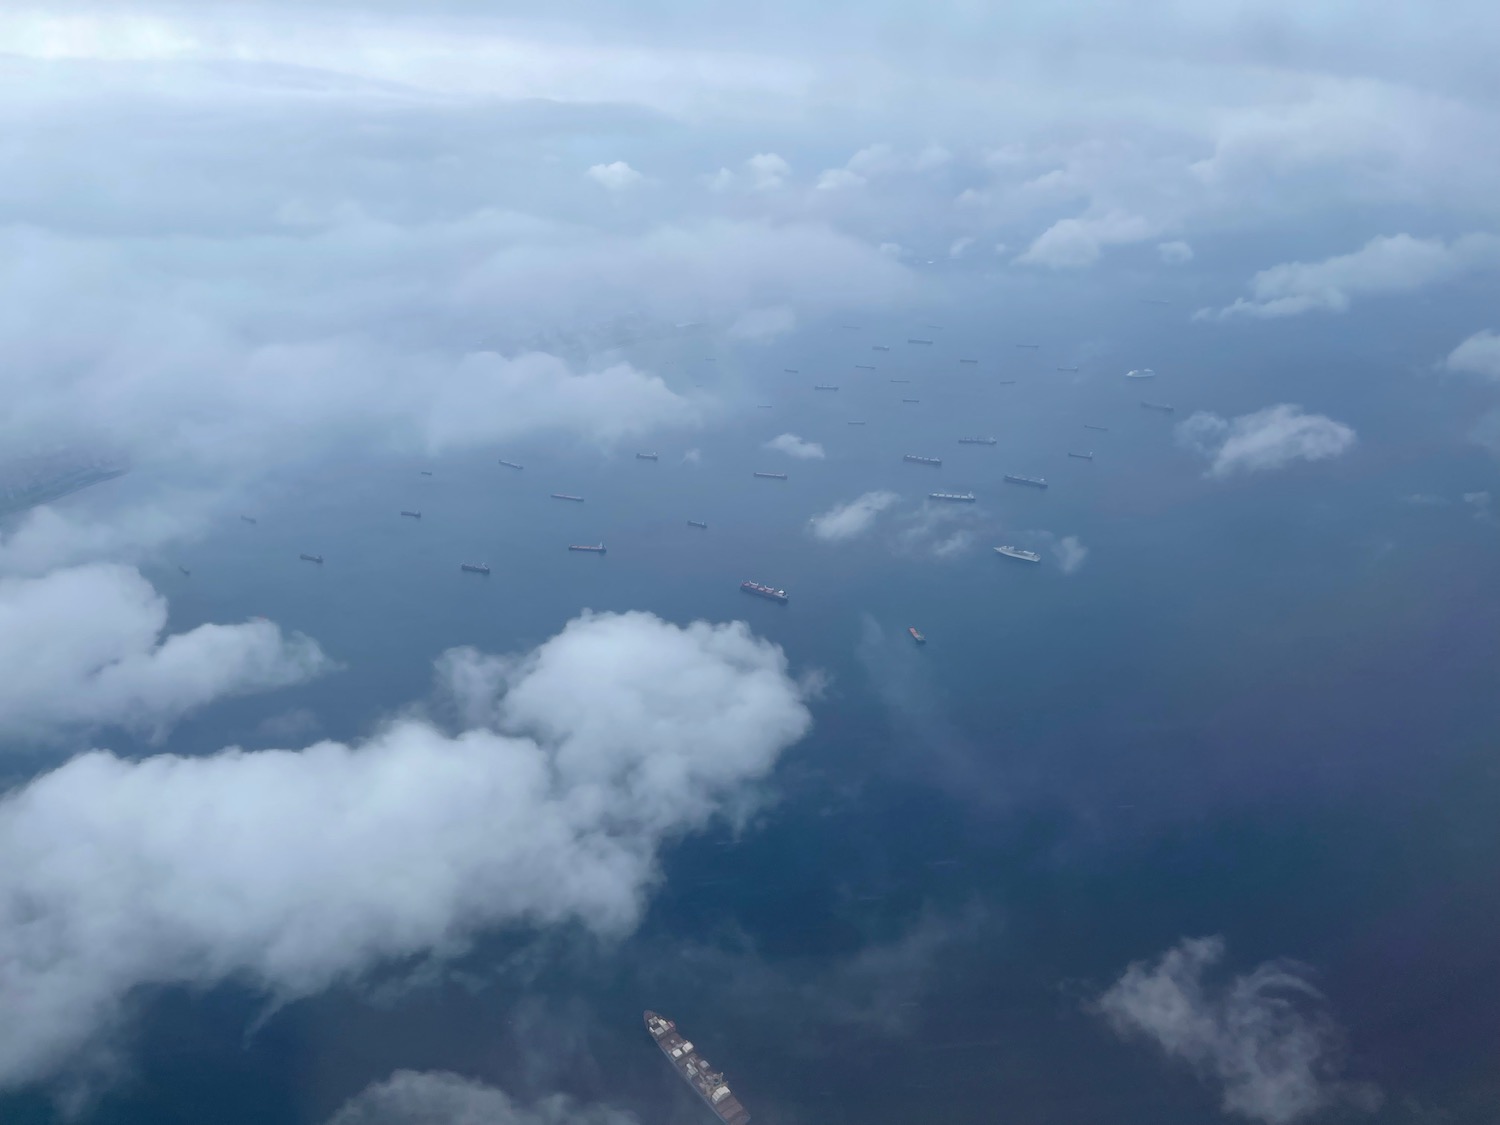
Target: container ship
x: 916, y: 634
x: 915, y: 460
x: 770, y: 592
x: 916, y: 340
x: 771, y: 476
x: 567, y: 496
x: 1017, y: 553
x: 648, y: 457
x: 1034, y: 482
x: 510, y: 464
x: 1165, y: 408
x: 1081, y: 456
x: 698, y: 523
x: 976, y: 441
x: 593, y: 548
x: 824, y: 387
x: 959, y: 497
x: 411, y: 515
x: 474, y: 568
x: 311, y: 558
x: 695, y: 1070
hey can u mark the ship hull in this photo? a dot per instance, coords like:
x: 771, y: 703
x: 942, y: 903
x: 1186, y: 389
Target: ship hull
x: 696, y: 1071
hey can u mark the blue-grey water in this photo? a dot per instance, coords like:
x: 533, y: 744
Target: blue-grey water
x: 1263, y: 706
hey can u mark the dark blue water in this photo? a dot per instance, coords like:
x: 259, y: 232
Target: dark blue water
x: 1264, y: 707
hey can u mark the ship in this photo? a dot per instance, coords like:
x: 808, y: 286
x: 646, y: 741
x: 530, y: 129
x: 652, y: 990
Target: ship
x: 566, y: 496
x: 770, y: 592
x: 311, y: 558
x: 248, y: 519
x: 852, y: 327
x: 597, y: 549
x: 791, y: 371
x: 1141, y: 373
x: 915, y: 460
x: 427, y: 472
x: 824, y: 387
x: 864, y: 367
x: 1028, y: 345
x: 1082, y: 456
x: 1005, y: 383
x: 911, y: 400
x: 1017, y: 553
x: 510, y: 464
x: 1035, y: 482
x: 1165, y: 408
x: 855, y: 422
x: 901, y: 380
x: 879, y: 348
x: 695, y: 1070
x: 770, y: 476
x: 698, y: 523
x: 1101, y: 429
x: 935, y: 326
x: 1072, y: 369
x: 917, y: 340
x: 763, y: 407
x: 962, y: 497
x: 474, y: 568
x: 976, y: 441
x: 916, y: 634
x: 413, y: 515
x: 186, y: 573
x: 648, y: 457
x: 968, y: 361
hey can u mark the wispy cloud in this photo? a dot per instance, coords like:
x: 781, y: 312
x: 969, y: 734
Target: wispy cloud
x: 1478, y: 355
x: 1263, y: 1036
x: 1268, y: 439
x: 851, y: 520
x: 616, y: 177
x: 793, y: 446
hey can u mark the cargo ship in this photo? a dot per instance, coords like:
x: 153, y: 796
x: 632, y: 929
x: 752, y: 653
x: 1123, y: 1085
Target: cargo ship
x: 1141, y: 373
x: 1101, y: 429
x: 1005, y: 383
x: 248, y: 519
x: 771, y: 476
x: 770, y: 592
x: 411, y: 515
x: 911, y: 400
x: 648, y: 457
x: 698, y: 523
x: 427, y: 472
x: 1034, y: 482
x: 916, y: 634
x: 879, y: 348
x: 1082, y: 456
x: 567, y: 496
x: 1017, y: 553
x: 791, y: 370
x: 968, y: 361
x: 824, y: 387
x: 1028, y: 345
x: 186, y: 573
x: 900, y: 380
x: 597, y: 549
x: 474, y: 568
x: 1165, y: 408
x: 962, y: 497
x: 311, y: 558
x: 855, y: 422
x: 695, y: 1070
x: 510, y: 464
x: 976, y: 441
x: 864, y: 367
x: 915, y: 460
x: 917, y: 340
x: 1074, y: 370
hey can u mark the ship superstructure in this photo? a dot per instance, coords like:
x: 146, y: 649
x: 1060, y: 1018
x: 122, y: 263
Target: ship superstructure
x: 696, y: 1071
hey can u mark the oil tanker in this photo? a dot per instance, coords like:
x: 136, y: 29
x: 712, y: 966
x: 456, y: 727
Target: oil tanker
x: 695, y: 1070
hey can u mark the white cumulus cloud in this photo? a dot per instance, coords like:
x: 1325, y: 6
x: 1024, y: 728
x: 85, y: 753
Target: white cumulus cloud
x: 1478, y: 355
x: 1267, y: 439
x: 1264, y: 1036
x: 289, y: 870
x: 763, y: 324
x: 616, y: 176
x: 767, y: 171
x: 853, y: 519
x: 793, y: 446
x: 85, y: 647
x: 410, y: 1097
x: 1075, y: 243
x: 839, y: 179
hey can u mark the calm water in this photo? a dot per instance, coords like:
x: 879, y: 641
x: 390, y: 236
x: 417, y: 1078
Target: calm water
x: 1263, y: 707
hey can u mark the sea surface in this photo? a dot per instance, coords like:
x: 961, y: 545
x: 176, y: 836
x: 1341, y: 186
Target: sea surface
x: 1263, y: 706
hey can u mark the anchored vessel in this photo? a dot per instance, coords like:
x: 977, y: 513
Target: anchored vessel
x: 976, y: 441
x: 597, y: 549
x: 915, y: 340
x: 1082, y: 456
x: 968, y: 361
x: 248, y: 519
x: 1016, y: 553
x: 566, y: 496
x: 963, y: 497
x: 646, y: 457
x: 186, y: 573
x: 792, y: 371
x: 855, y: 422
x: 698, y: 523
x: 475, y: 568
x: 1035, y: 482
x: 914, y: 459
x: 510, y: 464
x: 1028, y: 345
x: 770, y: 592
x: 916, y: 634
x: 1165, y: 408
x: 1005, y: 383
x: 901, y: 380
x: 427, y: 472
x: 879, y: 348
x: 695, y: 1070
x: 1101, y: 429
x: 864, y: 367
x: 1141, y: 373
x: 911, y: 400
x: 413, y: 515
x: 772, y: 476
x: 1067, y: 369
x: 311, y: 558
x: 824, y: 387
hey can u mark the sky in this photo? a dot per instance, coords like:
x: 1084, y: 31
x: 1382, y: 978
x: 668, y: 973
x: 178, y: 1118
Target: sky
x: 248, y: 244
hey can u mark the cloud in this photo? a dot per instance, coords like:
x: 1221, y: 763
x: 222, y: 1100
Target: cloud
x: 1263, y: 1036
x: 47, y: 537
x: 1069, y: 552
x: 616, y: 177
x: 85, y: 647
x: 767, y: 171
x: 851, y: 520
x: 1268, y: 439
x: 762, y: 325
x: 290, y: 870
x: 958, y: 246
x: 1075, y: 243
x: 410, y: 1097
x: 1383, y: 266
x: 1174, y: 253
x: 793, y: 446
x: 1478, y: 355
x: 839, y: 179
x: 940, y: 530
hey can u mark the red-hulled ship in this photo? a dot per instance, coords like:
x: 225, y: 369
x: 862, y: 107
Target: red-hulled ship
x: 696, y: 1071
